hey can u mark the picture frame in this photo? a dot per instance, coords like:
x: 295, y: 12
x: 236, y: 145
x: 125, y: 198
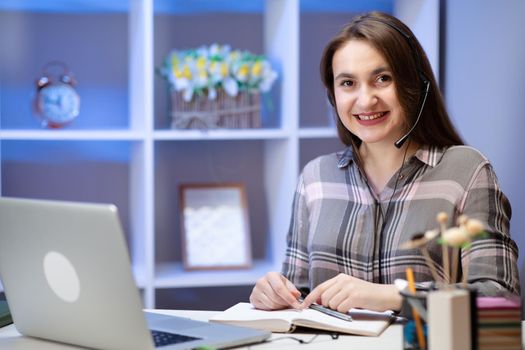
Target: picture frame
x: 214, y: 226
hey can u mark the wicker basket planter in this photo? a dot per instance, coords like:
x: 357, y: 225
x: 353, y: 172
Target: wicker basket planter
x: 240, y: 112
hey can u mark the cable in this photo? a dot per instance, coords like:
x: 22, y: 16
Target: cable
x: 334, y: 336
x: 384, y: 216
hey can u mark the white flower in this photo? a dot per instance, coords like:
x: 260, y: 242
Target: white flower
x: 212, y: 93
x: 205, y: 70
x: 474, y: 227
x: 267, y: 81
x: 241, y: 71
x: 187, y: 95
x: 230, y: 86
x: 456, y: 236
x: 215, y: 49
x: 218, y: 71
x: 181, y: 84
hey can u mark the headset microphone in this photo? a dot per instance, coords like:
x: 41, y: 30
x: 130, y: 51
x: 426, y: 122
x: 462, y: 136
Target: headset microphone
x: 424, y: 80
x: 402, y: 140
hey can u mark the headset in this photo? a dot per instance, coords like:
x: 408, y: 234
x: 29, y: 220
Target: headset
x: 425, y: 82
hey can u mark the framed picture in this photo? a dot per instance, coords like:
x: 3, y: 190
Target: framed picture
x: 215, y: 227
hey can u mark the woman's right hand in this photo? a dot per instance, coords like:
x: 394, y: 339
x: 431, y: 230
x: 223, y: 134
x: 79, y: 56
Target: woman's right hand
x: 273, y: 291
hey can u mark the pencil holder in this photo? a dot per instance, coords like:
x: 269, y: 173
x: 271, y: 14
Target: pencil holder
x: 452, y: 319
x: 415, y: 335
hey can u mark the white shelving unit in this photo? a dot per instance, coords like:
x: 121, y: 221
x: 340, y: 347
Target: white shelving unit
x: 147, y: 148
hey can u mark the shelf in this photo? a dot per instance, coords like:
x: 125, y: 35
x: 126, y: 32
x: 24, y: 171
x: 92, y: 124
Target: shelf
x: 191, y: 6
x: 173, y: 275
x: 221, y: 134
x: 69, y: 6
x: 77, y: 135
x: 328, y: 132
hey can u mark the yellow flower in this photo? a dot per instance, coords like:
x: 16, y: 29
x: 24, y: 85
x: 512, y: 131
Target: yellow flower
x: 214, y: 66
x: 174, y: 61
x: 257, y: 69
x: 224, y: 69
x: 203, y: 74
x: 201, y: 63
x: 234, y: 55
x: 186, y: 72
x: 242, y: 72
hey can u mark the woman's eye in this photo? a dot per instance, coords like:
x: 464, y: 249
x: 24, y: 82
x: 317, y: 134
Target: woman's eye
x: 384, y: 79
x: 347, y: 83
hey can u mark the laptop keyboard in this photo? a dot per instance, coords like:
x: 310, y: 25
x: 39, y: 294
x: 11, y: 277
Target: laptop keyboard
x: 164, y: 338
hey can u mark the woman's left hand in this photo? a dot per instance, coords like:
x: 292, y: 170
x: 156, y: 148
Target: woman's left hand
x: 344, y: 292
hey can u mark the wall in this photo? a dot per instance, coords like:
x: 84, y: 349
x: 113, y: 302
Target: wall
x: 485, y: 71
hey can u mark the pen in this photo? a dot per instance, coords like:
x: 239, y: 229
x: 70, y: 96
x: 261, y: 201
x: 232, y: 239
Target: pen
x: 328, y: 311
x: 419, y: 327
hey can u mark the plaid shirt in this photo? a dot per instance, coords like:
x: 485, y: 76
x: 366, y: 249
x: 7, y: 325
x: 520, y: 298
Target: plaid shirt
x: 337, y: 220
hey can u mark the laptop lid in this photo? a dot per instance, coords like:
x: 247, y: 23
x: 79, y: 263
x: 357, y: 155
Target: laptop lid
x: 66, y: 274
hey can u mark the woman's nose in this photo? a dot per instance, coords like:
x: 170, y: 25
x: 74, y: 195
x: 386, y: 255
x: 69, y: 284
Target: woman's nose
x: 366, y: 97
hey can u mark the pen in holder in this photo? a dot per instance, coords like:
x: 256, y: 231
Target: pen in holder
x: 450, y: 310
x: 449, y: 320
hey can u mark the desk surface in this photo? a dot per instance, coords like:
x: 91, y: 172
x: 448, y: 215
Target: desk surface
x: 390, y: 339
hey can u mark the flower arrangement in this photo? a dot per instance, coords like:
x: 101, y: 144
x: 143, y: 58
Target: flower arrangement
x: 455, y: 237
x: 447, y: 308
x: 207, y: 69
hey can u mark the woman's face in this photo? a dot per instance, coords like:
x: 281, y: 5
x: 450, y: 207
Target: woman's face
x: 365, y: 94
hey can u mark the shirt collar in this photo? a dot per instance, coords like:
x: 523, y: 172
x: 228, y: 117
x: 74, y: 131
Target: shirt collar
x: 345, y: 157
x: 430, y: 155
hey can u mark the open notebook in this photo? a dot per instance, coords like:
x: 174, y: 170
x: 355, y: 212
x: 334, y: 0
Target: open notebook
x: 364, y: 322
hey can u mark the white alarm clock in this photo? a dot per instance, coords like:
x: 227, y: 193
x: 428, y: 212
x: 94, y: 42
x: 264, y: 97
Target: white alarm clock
x: 56, y: 102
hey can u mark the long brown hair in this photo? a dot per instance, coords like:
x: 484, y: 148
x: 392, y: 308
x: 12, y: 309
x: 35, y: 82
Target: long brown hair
x: 382, y: 31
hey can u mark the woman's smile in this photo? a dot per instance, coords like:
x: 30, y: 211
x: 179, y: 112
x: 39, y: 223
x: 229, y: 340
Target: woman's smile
x: 369, y: 119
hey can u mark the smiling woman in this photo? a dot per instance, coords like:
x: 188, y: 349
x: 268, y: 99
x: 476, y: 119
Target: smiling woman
x: 354, y: 209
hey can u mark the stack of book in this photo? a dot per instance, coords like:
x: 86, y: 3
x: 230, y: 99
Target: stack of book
x: 499, y: 323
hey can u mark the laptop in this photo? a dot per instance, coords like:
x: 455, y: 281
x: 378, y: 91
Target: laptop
x: 67, y: 277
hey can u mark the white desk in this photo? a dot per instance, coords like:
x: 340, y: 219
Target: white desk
x: 390, y: 339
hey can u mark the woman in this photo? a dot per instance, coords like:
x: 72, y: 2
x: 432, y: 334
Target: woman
x: 404, y: 163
